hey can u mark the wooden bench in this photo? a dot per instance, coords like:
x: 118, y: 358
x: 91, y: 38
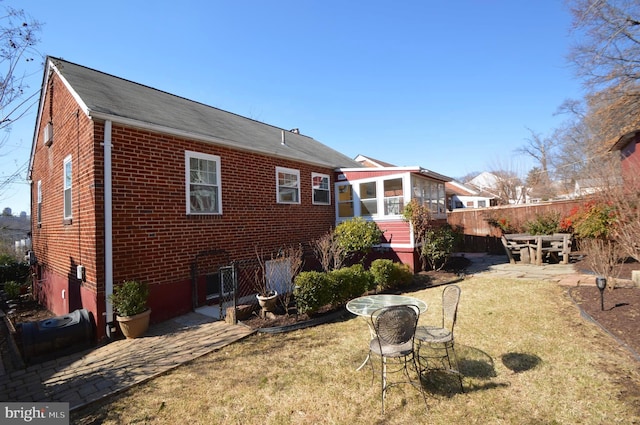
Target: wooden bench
x: 515, y: 248
x: 532, y: 248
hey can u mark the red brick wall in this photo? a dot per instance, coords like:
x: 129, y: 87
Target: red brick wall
x: 156, y: 241
x: 62, y: 245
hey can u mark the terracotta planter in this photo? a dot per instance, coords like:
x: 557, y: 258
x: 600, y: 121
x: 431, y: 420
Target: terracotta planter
x: 134, y: 326
x: 268, y: 303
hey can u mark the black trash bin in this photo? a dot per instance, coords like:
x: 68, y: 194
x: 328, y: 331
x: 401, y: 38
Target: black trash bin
x: 57, y: 336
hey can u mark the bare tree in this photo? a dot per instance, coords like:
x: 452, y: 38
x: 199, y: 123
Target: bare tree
x: 539, y: 148
x: 329, y: 252
x: 608, y: 52
x: 18, y: 38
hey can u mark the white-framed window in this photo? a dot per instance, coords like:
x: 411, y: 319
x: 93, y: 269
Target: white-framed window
x: 345, y: 201
x: 287, y: 185
x: 39, y: 206
x: 430, y: 194
x: 321, y: 192
x: 368, y: 199
x: 203, y: 189
x: 393, y: 197
x: 67, y: 184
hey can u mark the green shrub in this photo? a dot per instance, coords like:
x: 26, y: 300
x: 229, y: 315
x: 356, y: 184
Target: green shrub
x: 544, y: 224
x: 12, y: 289
x: 130, y: 298
x: 388, y: 275
x: 312, y: 291
x: 438, y: 245
x: 10, y: 269
x: 357, y: 235
x: 348, y: 283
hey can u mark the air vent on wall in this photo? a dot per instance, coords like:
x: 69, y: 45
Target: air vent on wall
x: 48, y: 134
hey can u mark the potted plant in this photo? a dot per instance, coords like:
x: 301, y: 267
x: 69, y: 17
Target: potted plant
x: 267, y: 297
x: 129, y: 300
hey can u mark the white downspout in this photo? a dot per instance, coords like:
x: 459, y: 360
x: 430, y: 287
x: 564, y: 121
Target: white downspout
x: 108, y: 228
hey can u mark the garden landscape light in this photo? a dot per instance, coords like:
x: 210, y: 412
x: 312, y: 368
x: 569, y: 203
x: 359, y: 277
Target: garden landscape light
x: 601, y: 282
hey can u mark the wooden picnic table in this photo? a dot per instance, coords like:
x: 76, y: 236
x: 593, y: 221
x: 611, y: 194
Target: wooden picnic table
x: 532, y: 248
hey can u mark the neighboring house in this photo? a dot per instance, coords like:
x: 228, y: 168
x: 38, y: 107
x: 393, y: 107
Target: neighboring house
x: 380, y: 192
x: 462, y: 196
x: 490, y: 183
x: 484, y: 181
x: 629, y: 155
x: 130, y: 182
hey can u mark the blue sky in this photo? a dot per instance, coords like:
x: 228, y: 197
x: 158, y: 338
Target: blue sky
x: 452, y: 86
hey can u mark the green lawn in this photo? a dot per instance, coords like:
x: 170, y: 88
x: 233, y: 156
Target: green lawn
x: 528, y: 357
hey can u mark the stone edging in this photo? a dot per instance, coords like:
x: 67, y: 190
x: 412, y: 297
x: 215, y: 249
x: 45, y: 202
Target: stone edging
x: 302, y: 325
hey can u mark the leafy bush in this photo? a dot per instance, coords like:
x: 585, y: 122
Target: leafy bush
x: 312, y: 291
x: 12, y: 289
x: 438, y: 245
x: 387, y: 274
x: 544, y: 224
x: 10, y: 269
x: 503, y: 223
x: 130, y: 298
x: 592, y: 220
x: 348, y: 283
x: 357, y: 235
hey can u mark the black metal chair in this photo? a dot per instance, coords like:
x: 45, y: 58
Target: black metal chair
x: 395, y: 328
x: 440, y: 339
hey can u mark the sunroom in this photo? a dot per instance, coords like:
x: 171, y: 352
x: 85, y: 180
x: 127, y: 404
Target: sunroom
x: 380, y: 195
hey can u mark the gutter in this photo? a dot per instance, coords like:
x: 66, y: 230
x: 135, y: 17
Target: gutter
x: 108, y: 229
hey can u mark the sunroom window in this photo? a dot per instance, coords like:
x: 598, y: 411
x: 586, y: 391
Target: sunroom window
x: 393, y: 197
x: 345, y: 201
x: 368, y: 199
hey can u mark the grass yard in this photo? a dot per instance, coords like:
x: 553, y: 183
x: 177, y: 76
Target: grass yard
x: 527, y: 355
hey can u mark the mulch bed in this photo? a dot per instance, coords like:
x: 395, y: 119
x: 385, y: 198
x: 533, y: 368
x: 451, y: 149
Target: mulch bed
x: 621, y: 314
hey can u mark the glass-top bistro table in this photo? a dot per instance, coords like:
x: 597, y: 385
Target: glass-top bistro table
x: 365, y: 306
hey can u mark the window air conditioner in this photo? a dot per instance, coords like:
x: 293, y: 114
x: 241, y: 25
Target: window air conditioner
x: 48, y: 134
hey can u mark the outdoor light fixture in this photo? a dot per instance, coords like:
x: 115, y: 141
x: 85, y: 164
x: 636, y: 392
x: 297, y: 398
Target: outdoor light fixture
x: 601, y: 282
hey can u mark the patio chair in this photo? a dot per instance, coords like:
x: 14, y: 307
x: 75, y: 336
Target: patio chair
x: 440, y: 339
x: 394, y: 329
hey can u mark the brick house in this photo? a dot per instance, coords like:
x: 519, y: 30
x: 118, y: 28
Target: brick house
x: 627, y: 145
x: 129, y: 182
x: 132, y: 183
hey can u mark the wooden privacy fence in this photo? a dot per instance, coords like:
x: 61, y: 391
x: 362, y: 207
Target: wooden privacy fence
x: 480, y: 236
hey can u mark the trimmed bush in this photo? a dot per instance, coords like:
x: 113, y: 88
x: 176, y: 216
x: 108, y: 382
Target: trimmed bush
x: 348, y: 283
x: 387, y: 274
x: 312, y: 291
